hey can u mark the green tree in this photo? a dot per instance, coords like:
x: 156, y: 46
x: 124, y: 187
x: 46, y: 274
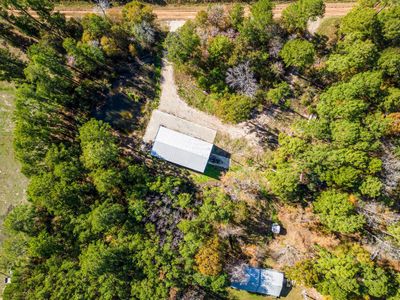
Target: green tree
x: 107, y: 216
x: 354, y: 56
x: 296, y: 16
x: 337, y: 212
x: 98, y: 259
x: 280, y: 94
x: 183, y: 45
x: 394, y: 231
x: 261, y: 14
x: 303, y: 273
x: 135, y: 13
x: 376, y: 281
x: 391, y: 102
x: 33, y: 17
x: 44, y: 245
x: 235, y: 108
x: 94, y: 27
x: 371, y: 186
x: 348, y: 272
x: 339, y: 275
x: 220, y: 49
x: 106, y: 181
x: 389, y: 62
x: 85, y: 57
x: 236, y: 15
x: 22, y: 219
x: 390, y: 24
x: 58, y: 195
x: 48, y: 73
x: 298, y: 53
x: 98, y: 144
x: 361, y: 21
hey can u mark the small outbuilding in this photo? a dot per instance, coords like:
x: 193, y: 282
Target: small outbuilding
x: 276, y: 228
x: 260, y: 281
x: 181, y: 149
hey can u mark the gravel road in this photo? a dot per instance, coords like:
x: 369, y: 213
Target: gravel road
x: 186, y: 12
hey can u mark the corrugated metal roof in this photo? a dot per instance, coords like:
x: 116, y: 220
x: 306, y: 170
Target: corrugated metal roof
x: 181, y: 149
x: 271, y: 282
x: 262, y: 281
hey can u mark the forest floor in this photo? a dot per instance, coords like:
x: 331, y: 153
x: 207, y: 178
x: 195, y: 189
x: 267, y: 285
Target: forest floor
x: 185, y: 12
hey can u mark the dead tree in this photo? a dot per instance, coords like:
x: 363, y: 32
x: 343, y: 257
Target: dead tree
x: 102, y: 6
x: 241, y: 79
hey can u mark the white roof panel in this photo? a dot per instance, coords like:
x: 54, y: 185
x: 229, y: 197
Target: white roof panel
x: 271, y: 282
x: 181, y: 149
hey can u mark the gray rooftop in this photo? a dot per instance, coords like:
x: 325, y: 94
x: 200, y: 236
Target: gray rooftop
x: 181, y: 149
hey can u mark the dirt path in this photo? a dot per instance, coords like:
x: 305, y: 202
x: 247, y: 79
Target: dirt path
x: 171, y: 103
x: 186, y: 12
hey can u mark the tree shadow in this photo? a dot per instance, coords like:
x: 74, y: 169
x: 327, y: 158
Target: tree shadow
x: 258, y: 226
x: 213, y: 172
x: 135, y: 85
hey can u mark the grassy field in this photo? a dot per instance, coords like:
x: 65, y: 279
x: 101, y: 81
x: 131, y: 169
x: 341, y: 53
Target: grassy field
x: 12, y: 182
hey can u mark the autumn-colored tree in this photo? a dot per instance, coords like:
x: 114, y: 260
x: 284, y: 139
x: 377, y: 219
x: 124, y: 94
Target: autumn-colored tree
x: 395, y: 123
x: 209, y: 258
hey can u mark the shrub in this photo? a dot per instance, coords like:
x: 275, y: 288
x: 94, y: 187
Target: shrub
x: 235, y: 108
x: 279, y: 94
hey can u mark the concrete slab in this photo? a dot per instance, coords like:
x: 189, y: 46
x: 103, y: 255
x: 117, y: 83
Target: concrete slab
x: 160, y: 118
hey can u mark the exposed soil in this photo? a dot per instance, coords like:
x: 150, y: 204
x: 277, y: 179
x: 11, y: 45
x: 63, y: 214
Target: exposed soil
x: 299, y: 237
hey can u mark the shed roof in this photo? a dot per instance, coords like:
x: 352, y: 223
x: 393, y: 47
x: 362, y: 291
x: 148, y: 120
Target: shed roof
x: 262, y: 281
x: 181, y: 149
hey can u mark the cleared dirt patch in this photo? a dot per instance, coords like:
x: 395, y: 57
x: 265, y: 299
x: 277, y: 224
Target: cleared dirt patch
x: 299, y: 237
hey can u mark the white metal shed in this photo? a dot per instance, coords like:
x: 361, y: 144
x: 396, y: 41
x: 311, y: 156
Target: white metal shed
x: 181, y: 149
